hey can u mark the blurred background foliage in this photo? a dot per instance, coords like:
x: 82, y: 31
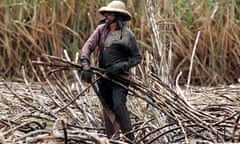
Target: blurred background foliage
x: 29, y: 28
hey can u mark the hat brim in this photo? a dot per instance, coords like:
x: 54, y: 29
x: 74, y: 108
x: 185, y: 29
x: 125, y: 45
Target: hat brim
x: 126, y: 15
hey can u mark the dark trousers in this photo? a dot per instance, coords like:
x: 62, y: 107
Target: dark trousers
x: 112, y: 94
x: 114, y: 99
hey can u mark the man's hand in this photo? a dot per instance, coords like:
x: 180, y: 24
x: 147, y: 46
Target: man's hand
x: 86, y: 76
x: 117, y: 69
x: 86, y: 73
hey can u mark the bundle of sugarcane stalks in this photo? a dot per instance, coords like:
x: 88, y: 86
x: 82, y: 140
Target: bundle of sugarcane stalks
x: 59, y: 108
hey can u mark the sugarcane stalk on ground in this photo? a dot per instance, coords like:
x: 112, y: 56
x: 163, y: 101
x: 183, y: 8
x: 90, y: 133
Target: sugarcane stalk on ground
x: 207, y: 122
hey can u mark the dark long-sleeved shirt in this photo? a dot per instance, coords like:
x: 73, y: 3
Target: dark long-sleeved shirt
x: 115, y: 46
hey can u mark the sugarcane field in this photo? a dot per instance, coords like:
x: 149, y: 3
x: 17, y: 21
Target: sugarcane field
x: 179, y: 81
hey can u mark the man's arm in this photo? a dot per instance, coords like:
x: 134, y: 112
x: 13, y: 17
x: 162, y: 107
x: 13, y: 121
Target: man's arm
x: 90, y: 44
x: 135, y: 55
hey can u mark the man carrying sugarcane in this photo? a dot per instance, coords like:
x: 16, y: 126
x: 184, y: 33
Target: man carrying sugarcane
x: 118, y: 52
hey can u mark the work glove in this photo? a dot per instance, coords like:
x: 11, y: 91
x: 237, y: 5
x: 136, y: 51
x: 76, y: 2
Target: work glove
x: 117, y: 69
x: 86, y: 73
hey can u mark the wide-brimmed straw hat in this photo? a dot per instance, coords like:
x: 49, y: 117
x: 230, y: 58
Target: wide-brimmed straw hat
x: 116, y: 6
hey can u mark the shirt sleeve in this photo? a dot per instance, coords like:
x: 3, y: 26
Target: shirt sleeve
x: 91, y: 43
x: 135, y: 55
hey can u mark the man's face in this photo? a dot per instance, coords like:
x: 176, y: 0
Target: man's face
x: 110, y: 17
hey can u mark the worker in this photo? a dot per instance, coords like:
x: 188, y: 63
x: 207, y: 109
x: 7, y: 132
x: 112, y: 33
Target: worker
x: 118, y: 52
